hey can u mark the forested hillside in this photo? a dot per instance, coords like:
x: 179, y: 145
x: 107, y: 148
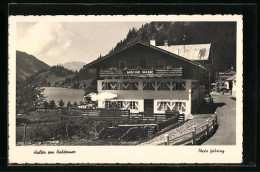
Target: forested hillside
x: 27, y: 65
x: 221, y: 35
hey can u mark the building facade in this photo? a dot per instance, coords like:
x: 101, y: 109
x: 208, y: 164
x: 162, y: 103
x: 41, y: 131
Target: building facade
x: 221, y: 79
x: 148, y: 79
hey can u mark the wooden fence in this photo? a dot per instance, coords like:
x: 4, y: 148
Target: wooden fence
x: 192, y: 137
x: 151, y: 117
x: 113, y: 113
x: 95, y: 113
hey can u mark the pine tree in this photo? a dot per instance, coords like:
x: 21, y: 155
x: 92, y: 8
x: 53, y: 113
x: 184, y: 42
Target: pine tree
x: 52, y: 104
x: 69, y: 104
x: 75, y: 104
x: 61, y: 103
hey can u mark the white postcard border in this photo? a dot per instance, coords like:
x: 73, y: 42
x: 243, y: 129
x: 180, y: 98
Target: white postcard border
x: 123, y: 154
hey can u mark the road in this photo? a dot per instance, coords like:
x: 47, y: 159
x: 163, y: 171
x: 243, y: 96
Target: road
x: 226, y: 113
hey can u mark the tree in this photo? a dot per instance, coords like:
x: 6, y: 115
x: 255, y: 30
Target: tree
x: 45, y: 104
x: 29, y: 95
x: 69, y: 104
x: 61, y: 103
x: 75, y: 104
x: 81, y: 103
x: 52, y: 104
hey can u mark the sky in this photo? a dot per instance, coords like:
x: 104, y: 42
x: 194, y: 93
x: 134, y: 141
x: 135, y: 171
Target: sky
x: 60, y: 42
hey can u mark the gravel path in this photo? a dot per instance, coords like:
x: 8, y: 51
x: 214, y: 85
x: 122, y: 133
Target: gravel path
x: 197, y: 121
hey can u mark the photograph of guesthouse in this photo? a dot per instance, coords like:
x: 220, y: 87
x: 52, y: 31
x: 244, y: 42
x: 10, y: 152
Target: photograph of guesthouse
x: 150, y: 79
x: 145, y: 80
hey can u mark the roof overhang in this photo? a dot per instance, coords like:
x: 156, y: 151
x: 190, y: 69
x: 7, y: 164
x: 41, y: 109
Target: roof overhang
x: 148, y: 45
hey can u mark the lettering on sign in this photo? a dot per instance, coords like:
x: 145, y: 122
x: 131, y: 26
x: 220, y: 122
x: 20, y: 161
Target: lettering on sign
x: 177, y: 72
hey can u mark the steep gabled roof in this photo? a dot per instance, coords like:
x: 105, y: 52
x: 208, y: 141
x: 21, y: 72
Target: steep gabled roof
x: 148, y: 45
x: 191, y: 52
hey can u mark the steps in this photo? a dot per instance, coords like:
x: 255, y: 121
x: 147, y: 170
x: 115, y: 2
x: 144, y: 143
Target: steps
x: 181, y: 117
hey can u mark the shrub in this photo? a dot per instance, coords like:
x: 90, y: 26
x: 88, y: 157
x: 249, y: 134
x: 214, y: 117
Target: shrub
x: 76, y: 128
x: 135, y: 134
x: 41, y: 133
x: 112, y: 133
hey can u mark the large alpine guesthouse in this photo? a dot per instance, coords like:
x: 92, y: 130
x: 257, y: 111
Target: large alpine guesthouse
x: 153, y: 79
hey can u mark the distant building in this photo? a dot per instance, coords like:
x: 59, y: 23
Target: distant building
x: 150, y: 79
x: 221, y: 79
x: 233, y: 85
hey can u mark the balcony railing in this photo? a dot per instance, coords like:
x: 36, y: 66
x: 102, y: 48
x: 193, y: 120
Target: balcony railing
x: 174, y: 72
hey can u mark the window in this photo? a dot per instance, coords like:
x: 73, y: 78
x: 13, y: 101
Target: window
x: 180, y: 106
x: 161, y: 64
x: 107, y: 104
x: 104, y: 85
x: 129, y: 86
x: 134, y: 105
x: 112, y: 85
x: 148, y: 85
x: 113, y: 104
x: 164, y: 106
x: 122, y: 64
x: 163, y: 85
x: 179, y: 85
x: 119, y: 85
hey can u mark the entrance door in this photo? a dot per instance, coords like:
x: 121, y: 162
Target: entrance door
x: 148, y: 106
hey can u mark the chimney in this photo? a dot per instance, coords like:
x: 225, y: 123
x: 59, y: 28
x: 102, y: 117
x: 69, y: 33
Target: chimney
x: 166, y: 43
x: 152, y: 42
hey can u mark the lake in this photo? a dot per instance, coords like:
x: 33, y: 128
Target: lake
x: 66, y: 94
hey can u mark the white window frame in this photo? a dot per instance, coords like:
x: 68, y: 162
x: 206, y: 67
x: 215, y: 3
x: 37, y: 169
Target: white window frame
x: 180, y: 86
x: 151, y: 85
x: 163, y: 86
x: 164, y: 106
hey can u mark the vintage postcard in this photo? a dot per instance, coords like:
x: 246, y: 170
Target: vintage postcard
x: 125, y: 89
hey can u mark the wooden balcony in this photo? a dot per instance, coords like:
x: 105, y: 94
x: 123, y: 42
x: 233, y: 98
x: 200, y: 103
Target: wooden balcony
x: 174, y: 72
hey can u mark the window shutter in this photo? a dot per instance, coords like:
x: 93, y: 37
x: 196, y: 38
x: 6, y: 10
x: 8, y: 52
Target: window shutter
x: 183, y: 105
x: 103, y: 104
x: 173, y: 85
x: 158, y: 85
x: 103, y: 85
x: 153, y: 84
x: 168, y: 86
x: 168, y: 104
x: 183, y: 86
x: 136, y: 105
x: 173, y: 105
x: 126, y: 104
x: 144, y: 84
x: 158, y: 105
x: 135, y: 85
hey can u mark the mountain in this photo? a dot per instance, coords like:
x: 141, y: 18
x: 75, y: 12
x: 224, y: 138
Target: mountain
x: 221, y: 35
x: 27, y: 65
x: 74, y: 65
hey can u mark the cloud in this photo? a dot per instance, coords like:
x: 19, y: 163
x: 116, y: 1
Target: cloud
x: 60, y: 42
x: 47, y: 41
